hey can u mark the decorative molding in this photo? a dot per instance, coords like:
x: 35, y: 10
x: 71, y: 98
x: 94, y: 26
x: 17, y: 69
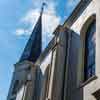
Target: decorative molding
x: 77, y: 12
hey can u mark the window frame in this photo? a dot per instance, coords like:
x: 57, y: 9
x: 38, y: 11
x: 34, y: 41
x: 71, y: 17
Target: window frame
x: 87, y: 51
x: 83, y: 32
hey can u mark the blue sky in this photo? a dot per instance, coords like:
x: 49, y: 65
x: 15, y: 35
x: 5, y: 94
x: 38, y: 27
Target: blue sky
x: 17, y: 19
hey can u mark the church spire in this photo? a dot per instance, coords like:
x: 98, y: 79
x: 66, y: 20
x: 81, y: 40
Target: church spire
x: 34, y: 45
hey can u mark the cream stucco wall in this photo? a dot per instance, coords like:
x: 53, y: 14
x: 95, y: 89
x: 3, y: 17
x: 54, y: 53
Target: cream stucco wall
x: 78, y: 24
x: 93, y: 8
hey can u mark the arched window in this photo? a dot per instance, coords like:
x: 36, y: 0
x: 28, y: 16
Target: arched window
x: 90, y: 44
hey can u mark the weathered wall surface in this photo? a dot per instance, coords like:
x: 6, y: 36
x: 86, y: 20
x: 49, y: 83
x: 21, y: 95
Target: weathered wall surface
x: 72, y: 92
x: 58, y: 79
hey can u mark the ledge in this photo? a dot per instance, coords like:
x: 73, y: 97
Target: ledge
x: 88, y: 81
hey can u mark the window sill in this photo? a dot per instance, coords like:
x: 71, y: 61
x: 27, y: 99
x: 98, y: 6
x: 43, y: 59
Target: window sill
x: 88, y: 81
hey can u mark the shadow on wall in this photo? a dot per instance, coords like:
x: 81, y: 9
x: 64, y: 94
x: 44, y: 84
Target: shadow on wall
x: 73, y: 89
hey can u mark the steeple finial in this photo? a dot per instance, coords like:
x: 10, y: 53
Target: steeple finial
x: 42, y: 8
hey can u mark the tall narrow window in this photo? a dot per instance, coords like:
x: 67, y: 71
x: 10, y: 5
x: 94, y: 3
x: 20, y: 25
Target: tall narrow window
x: 90, y: 44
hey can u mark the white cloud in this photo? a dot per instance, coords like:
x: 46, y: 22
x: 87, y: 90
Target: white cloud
x: 72, y: 2
x: 31, y: 17
x: 21, y: 31
x: 49, y: 20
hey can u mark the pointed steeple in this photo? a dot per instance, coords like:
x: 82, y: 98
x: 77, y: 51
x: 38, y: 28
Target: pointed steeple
x: 34, y: 45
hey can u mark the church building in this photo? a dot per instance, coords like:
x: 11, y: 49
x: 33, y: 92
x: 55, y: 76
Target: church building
x: 69, y: 67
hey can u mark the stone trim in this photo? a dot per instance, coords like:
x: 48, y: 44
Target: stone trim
x: 77, y: 12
